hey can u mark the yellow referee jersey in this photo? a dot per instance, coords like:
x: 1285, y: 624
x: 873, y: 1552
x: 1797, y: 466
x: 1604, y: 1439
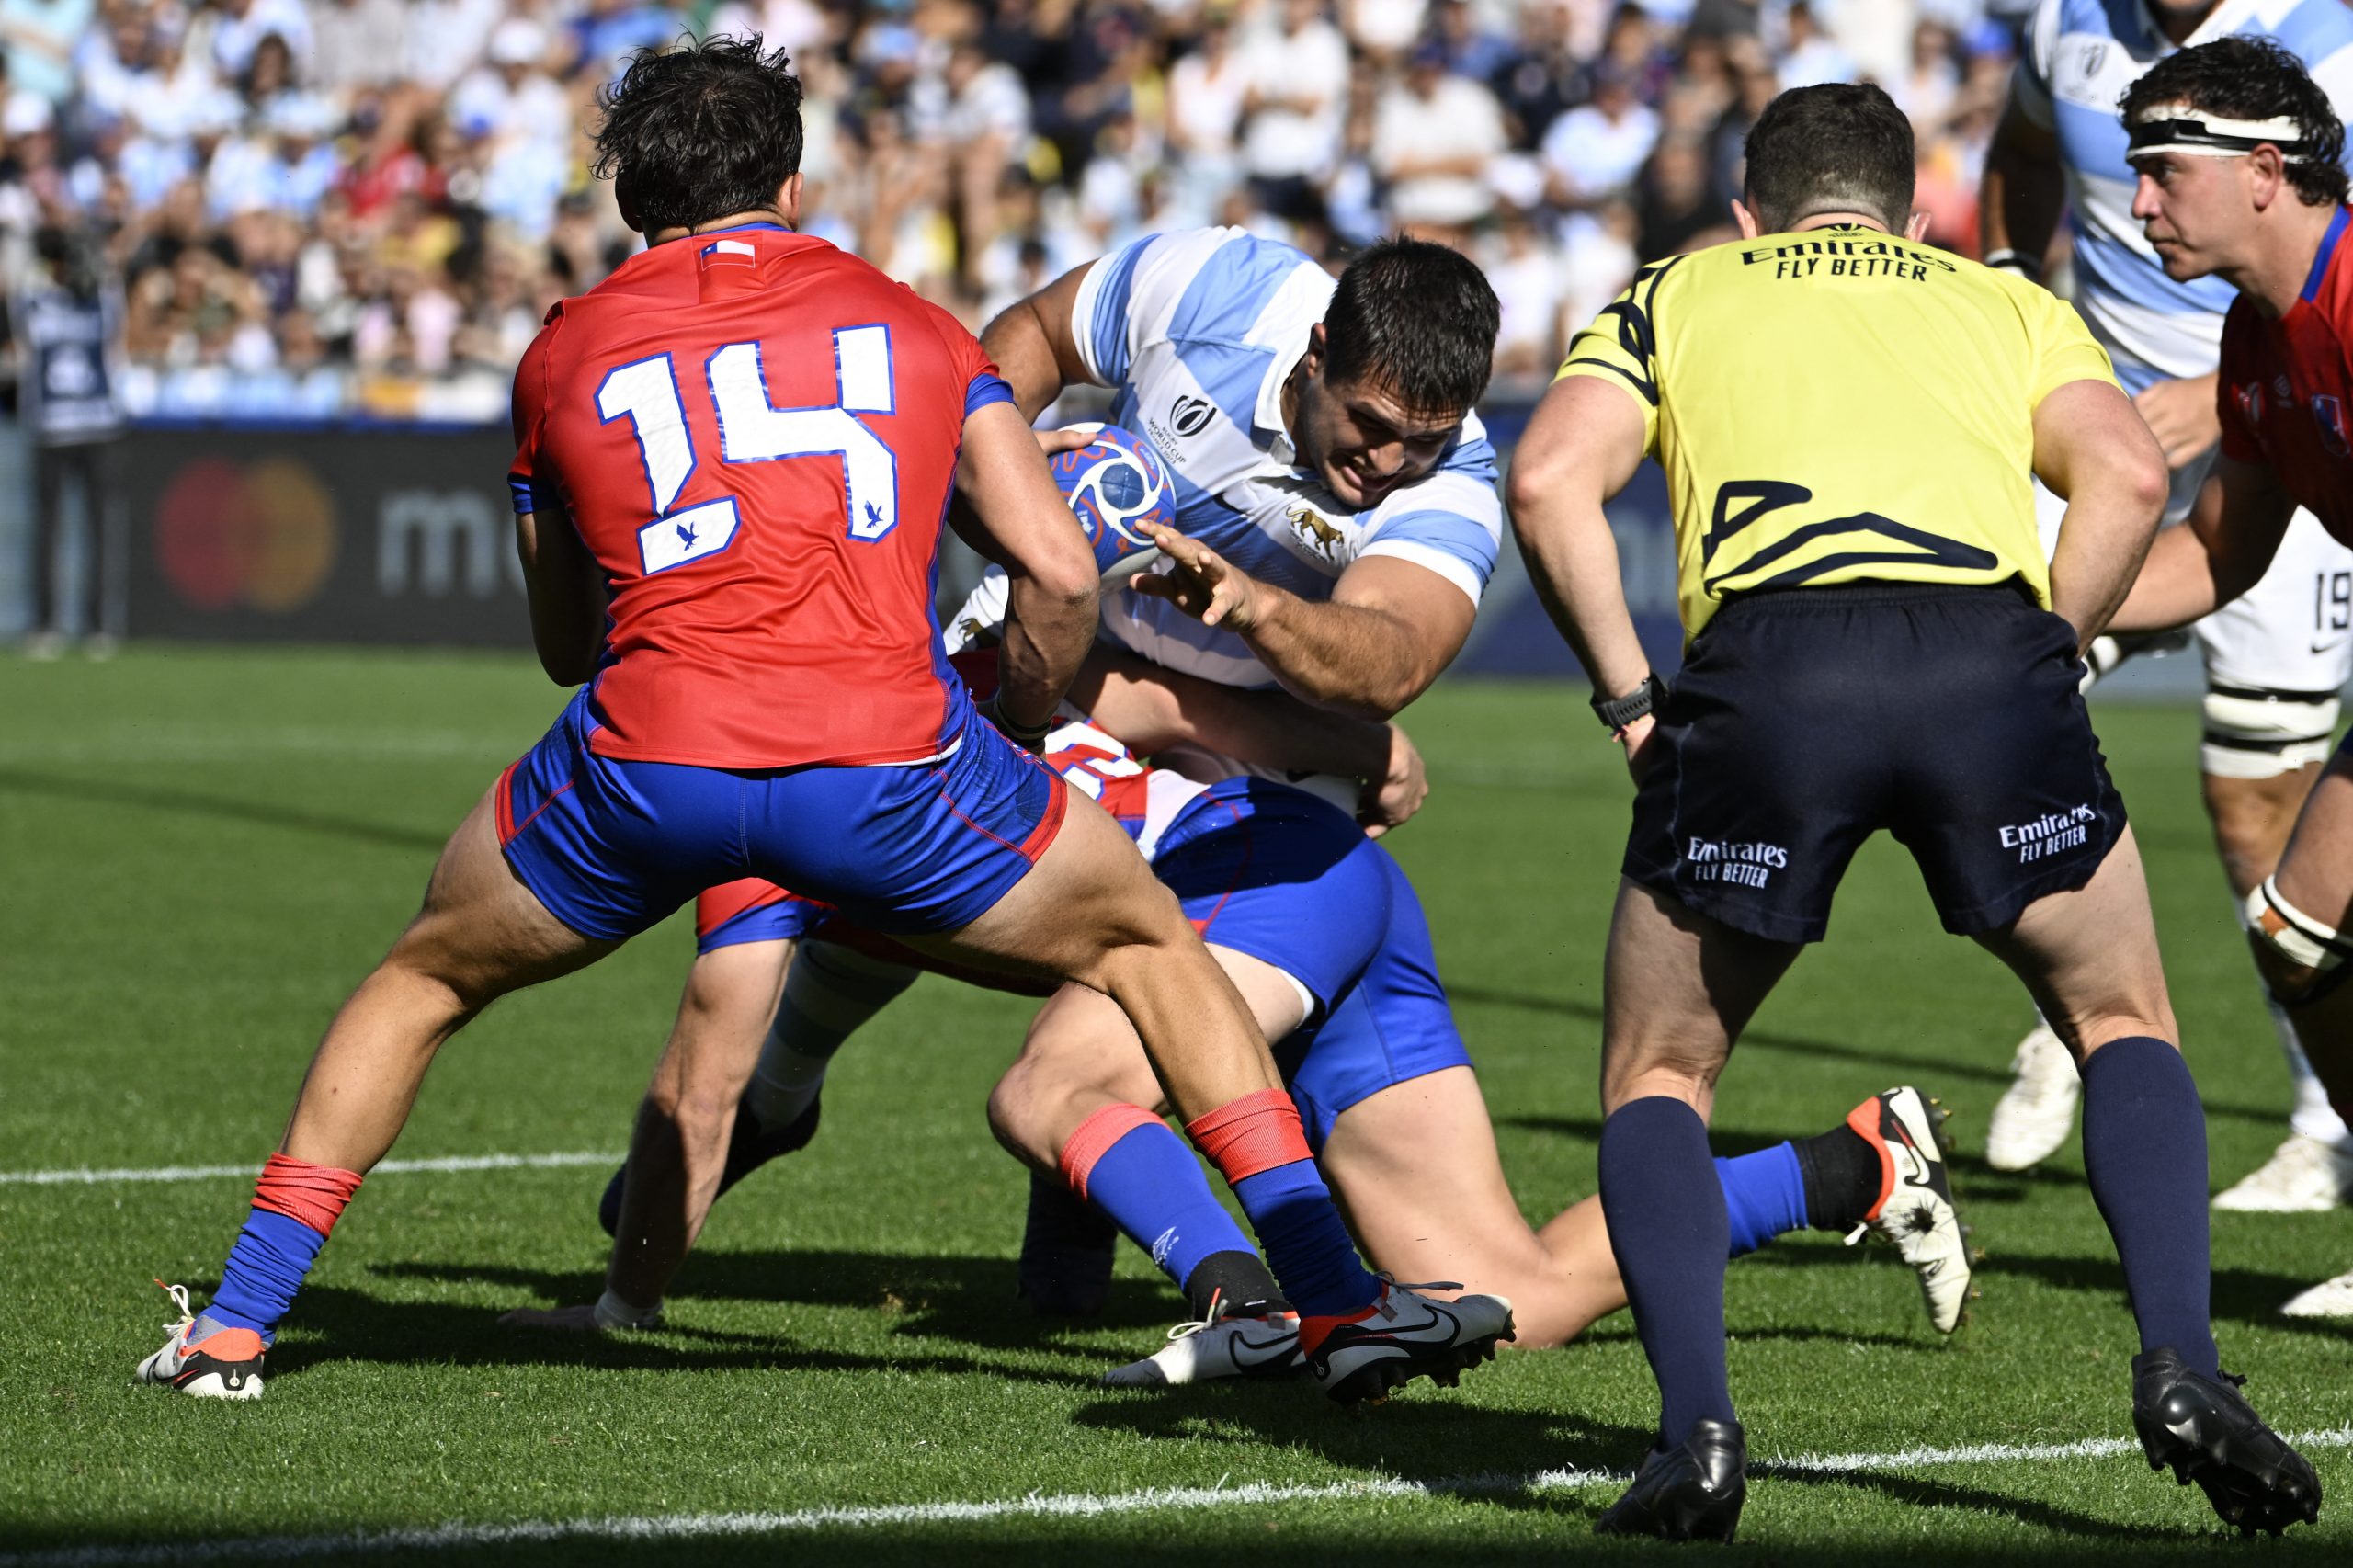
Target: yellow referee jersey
x: 1838, y: 405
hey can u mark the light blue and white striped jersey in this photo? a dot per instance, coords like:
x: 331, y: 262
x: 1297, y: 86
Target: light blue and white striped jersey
x: 2080, y: 57
x: 1197, y: 331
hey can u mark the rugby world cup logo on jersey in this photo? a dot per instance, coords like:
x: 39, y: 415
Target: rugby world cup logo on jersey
x: 2049, y: 835
x: 1191, y: 415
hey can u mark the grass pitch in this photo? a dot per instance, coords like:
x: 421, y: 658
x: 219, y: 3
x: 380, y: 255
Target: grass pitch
x: 203, y: 851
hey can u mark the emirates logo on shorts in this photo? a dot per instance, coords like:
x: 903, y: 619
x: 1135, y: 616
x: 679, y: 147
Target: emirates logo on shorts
x: 2049, y: 834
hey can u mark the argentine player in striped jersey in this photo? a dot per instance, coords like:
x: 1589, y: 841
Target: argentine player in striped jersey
x: 1335, y: 488
x: 2275, y: 658
x: 1337, y: 523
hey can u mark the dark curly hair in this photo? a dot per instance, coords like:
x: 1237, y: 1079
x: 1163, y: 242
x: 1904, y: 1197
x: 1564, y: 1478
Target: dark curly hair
x: 1417, y: 319
x: 2252, y: 78
x: 700, y: 130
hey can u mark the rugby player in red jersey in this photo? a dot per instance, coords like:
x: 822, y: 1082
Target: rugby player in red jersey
x: 2240, y: 158
x: 734, y: 457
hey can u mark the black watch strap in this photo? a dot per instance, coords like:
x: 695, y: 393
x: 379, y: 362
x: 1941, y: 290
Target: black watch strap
x: 1617, y: 713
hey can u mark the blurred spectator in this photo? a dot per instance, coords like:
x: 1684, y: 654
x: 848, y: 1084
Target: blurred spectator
x: 322, y: 205
x: 63, y: 324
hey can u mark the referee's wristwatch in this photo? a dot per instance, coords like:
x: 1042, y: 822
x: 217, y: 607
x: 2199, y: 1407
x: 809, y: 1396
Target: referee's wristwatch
x: 1617, y: 713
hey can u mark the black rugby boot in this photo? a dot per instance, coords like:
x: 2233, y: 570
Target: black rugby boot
x: 748, y: 1150
x: 2204, y: 1429
x: 1690, y: 1493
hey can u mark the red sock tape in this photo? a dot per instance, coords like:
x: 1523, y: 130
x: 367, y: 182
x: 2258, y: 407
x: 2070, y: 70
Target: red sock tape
x: 1095, y: 1136
x: 312, y: 1194
x: 1257, y: 1133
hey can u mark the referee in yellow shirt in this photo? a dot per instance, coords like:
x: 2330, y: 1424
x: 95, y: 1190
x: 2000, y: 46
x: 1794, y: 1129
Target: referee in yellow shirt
x: 1847, y: 419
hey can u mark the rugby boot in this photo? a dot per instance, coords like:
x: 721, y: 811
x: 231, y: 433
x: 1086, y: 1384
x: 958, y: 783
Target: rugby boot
x: 1692, y: 1492
x: 748, y: 1149
x: 2303, y: 1176
x: 204, y: 1357
x: 1403, y: 1336
x: 1067, y: 1250
x: 1916, y: 1208
x: 2204, y: 1430
x: 2035, y: 1114
x: 2329, y: 1298
x: 1223, y: 1345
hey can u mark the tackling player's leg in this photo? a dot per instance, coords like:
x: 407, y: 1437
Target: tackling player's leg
x: 480, y: 934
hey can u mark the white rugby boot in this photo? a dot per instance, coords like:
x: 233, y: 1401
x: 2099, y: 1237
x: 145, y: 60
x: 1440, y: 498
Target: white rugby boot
x: 2329, y: 1298
x: 204, y: 1357
x: 2038, y: 1110
x: 1403, y: 1336
x: 1217, y: 1346
x: 1916, y: 1210
x: 2303, y: 1176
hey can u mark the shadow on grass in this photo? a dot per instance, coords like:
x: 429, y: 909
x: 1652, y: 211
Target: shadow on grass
x: 83, y: 791
x: 1932, y: 1071
x: 2241, y: 1295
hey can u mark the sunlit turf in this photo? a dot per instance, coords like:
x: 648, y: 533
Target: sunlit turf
x: 201, y: 852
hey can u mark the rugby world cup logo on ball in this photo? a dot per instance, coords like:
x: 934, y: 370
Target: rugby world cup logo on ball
x: 1118, y: 490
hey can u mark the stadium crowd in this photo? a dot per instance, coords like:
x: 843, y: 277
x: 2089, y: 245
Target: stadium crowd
x: 321, y: 207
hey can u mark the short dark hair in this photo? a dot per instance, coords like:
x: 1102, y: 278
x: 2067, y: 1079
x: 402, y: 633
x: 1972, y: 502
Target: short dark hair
x: 2252, y: 78
x: 1416, y: 320
x: 696, y: 133
x: 1836, y: 147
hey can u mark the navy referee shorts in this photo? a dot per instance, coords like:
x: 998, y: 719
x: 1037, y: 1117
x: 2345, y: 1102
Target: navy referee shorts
x: 1805, y: 720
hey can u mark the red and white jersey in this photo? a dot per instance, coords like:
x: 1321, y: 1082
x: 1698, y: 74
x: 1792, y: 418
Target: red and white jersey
x: 1143, y: 799
x: 2285, y: 390
x: 755, y: 435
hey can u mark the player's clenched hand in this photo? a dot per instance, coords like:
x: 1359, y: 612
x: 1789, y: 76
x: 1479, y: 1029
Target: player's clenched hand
x: 1639, y: 738
x: 1198, y: 581
x: 569, y: 1320
x: 2181, y: 415
x: 1391, y: 799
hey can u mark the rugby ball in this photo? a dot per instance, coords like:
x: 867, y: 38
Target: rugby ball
x: 1118, y: 490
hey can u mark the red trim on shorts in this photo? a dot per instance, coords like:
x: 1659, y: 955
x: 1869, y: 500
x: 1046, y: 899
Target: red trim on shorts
x: 1051, y: 824
x: 311, y: 1194
x: 543, y: 805
x: 502, y: 802
x: 1258, y: 1132
x: 1249, y: 851
x: 1095, y: 1138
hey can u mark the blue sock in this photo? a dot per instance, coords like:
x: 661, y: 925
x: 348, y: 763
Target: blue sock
x: 1306, y: 1245
x: 1670, y: 1231
x: 1764, y: 1196
x: 2144, y: 1150
x: 1151, y: 1187
x: 264, y: 1271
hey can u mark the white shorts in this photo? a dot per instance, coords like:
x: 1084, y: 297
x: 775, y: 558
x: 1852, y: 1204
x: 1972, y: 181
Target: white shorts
x: 2276, y: 656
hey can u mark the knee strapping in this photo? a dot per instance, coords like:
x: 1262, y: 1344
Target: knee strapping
x: 2295, y: 941
x: 2261, y: 734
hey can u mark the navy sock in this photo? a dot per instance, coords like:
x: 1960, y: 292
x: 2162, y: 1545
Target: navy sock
x: 1670, y: 1231
x: 265, y: 1269
x: 1307, y: 1247
x: 1764, y: 1196
x: 2144, y: 1150
x: 1067, y: 1250
x: 1151, y: 1187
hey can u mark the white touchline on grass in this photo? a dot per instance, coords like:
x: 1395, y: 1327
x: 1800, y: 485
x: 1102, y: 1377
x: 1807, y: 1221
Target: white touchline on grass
x: 685, y: 1526
x: 87, y: 1178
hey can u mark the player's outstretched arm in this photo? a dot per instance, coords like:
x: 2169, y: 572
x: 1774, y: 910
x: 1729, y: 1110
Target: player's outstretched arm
x: 1024, y: 525
x: 566, y: 594
x: 2092, y: 449
x: 2223, y: 550
x: 1582, y: 446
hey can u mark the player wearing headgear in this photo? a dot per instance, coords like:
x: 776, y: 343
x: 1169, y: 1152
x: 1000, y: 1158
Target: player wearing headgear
x: 733, y: 457
x: 2239, y: 154
x: 1325, y: 937
x: 1336, y: 518
x: 1847, y: 420
x: 2275, y: 658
